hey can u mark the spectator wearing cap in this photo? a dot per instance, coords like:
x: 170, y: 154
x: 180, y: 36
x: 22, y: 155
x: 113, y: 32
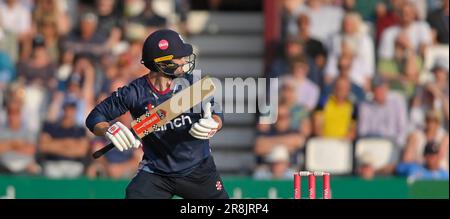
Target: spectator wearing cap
x: 278, y: 165
x: 63, y: 145
x: 353, y: 37
x: 417, y: 34
x: 86, y: 39
x: 291, y: 128
x: 429, y: 170
x: 432, y: 133
x: 385, y: 116
x: 438, y: 21
x: 336, y: 114
x: 17, y: 142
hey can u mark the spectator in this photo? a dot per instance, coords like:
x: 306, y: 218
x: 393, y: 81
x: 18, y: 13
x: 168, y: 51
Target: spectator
x: 417, y: 34
x: 325, y: 19
x: 355, y: 38
x: 336, y: 114
x: 307, y: 92
x: 402, y: 72
x: 432, y: 133
x: 15, y: 20
x: 63, y: 145
x: 149, y: 17
x: 385, y: 116
x: 357, y: 94
x: 51, y: 11
x: 313, y: 48
x: 291, y: 128
x: 432, y: 96
x: 79, y: 87
x: 438, y: 21
x: 292, y: 48
x: 279, y: 165
x: 48, y: 29
x: 86, y: 39
x: 386, y: 17
x: 429, y: 170
x: 109, y: 23
x: 17, y: 143
x: 39, y: 70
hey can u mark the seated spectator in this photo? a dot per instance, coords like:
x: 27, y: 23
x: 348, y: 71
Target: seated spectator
x: 64, y: 146
x: 291, y: 49
x: 432, y: 96
x: 432, y: 133
x: 148, y: 17
x: 39, y: 70
x: 278, y: 165
x: 336, y: 114
x: 109, y: 22
x: 402, y: 72
x: 417, y: 34
x: 438, y: 21
x: 291, y: 128
x: 354, y: 33
x: 357, y: 94
x: 15, y: 18
x: 86, y: 39
x: 17, y: 143
x: 307, y: 92
x: 429, y: 170
x: 314, y: 49
x: 115, y: 164
x: 79, y: 87
x: 386, y: 16
x: 47, y: 28
x: 385, y: 116
x: 52, y: 11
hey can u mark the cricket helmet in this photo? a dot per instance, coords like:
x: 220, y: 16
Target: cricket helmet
x: 161, y: 47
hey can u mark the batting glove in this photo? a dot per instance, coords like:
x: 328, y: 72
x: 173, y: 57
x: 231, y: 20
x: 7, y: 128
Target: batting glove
x: 122, y: 137
x: 206, y: 127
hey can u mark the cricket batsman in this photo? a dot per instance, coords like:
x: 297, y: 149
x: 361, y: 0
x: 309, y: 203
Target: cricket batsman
x: 177, y: 157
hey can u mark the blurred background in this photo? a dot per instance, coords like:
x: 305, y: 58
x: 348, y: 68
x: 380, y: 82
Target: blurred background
x: 363, y: 92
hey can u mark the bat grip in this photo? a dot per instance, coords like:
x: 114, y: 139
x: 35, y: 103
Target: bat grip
x: 103, y: 151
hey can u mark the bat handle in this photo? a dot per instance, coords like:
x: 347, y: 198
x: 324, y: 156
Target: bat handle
x: 103, y: 151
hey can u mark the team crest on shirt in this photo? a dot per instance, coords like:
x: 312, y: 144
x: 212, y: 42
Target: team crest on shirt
x: 219, y: 186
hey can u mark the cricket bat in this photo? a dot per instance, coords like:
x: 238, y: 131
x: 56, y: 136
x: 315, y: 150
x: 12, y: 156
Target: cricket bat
x: 165, y: 112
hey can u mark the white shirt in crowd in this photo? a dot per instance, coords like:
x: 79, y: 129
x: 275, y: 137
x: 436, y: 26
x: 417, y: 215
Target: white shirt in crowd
x: 324, y: 22
x: 16, y: 19
x: 419, y: 33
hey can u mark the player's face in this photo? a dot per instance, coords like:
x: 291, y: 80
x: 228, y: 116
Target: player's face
x: 186, y: 64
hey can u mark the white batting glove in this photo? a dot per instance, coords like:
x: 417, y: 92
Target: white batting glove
x: 122, y: 137
x: 206, y: 127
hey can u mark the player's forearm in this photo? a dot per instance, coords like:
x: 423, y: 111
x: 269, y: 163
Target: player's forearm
x: 101, y: 128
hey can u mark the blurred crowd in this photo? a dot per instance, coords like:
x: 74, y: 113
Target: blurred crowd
x: 356, y: 69
x: 58, y: 59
